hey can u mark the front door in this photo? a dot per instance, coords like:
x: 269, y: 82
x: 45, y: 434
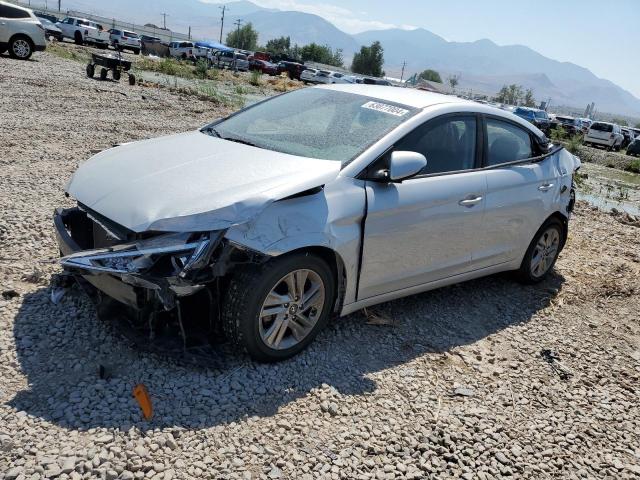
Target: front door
x: 424, y: 229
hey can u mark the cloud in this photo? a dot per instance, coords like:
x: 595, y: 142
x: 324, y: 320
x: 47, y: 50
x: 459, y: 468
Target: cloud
x: 342, y: 18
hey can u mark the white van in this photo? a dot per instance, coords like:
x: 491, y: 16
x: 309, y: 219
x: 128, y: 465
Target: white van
x: 604, y: 134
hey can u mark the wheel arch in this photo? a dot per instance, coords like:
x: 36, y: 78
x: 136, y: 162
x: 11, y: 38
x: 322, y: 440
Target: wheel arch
x: 564, y: 221
x: 15, y: 36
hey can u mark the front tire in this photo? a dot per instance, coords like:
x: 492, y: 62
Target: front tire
x: 77, y: 37
x: 275, y: 310
x: 542, y: 253
x: 21, y: 48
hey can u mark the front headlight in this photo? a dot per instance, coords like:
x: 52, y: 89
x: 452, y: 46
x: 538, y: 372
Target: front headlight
x: 168, y: 254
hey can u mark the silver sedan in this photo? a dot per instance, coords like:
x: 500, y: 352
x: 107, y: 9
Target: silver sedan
x: 314, y: 204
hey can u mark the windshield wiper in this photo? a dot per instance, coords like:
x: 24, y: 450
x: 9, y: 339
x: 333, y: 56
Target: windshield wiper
x: 213, y: 131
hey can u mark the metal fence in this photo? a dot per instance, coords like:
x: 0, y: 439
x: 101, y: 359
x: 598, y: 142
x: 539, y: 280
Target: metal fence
x: 107, y: 23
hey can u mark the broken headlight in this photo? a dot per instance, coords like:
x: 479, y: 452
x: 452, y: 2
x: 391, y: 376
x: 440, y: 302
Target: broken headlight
x: 166, y: 255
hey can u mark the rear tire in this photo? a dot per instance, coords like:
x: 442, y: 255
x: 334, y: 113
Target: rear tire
x: 91, y: 70
x: 77, y: 37
x: 136, y: 52
x: 246, y: 319
x: 116, y: 75
x: 103, y: 74
x: 542, y: 253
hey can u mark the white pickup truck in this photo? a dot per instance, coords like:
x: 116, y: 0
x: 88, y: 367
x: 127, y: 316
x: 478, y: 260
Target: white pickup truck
x: 83, y: 31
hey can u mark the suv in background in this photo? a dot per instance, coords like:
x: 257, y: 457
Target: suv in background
x: 604, y: 134
x: 570, y: 125
x: 231, y: 60
x: 125, y: 40
x: 293, y: 69
x: 537, y: 117
x: 20, y: 31
x: 628, y: 135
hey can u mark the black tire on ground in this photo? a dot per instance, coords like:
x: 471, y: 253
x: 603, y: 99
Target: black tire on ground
x: 132, y: 79
x: 91, y: 70
x: 21, y: 47
x: 116, y: 75
x: 103, y: 73
x: 246, y: 294
x: 136, y: 51
x: 524, y: 273
x: 77, y: 37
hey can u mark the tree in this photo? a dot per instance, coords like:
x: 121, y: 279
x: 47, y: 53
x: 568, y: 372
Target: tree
x: 369, y: 60
x: 244, y: 38
x: 453, y: 81
x: 528, y: 100
x: 637, y: 125
x: 513, y: 94
x: 279, y: 46
x: 431, y: 76
x: 321, y: 54
x: 621, y: 121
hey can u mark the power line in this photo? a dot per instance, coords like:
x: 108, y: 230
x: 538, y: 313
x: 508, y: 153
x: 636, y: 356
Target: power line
x: 164, y: 20
x: 404, y: 64
x: 224, y: 9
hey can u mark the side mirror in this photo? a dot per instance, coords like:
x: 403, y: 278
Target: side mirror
x: 404, y: 165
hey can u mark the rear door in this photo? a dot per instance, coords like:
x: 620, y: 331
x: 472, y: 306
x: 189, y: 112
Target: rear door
x: 424, y: 229
x: 519, y: 196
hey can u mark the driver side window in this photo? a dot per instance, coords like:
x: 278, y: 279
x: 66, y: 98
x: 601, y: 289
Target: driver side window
x: 448, y: 144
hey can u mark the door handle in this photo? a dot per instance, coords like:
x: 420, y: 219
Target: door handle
x: 545, y: 187
x: 470, y: 201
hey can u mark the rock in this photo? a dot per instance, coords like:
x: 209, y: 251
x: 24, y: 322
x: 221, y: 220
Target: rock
x: 463, y: 392
x: 501, y: 457
x: 13, y: 473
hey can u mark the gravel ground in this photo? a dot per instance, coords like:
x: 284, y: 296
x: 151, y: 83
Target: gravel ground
x: 453, y: 384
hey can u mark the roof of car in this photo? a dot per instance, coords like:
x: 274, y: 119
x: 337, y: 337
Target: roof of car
x: 406, y: 96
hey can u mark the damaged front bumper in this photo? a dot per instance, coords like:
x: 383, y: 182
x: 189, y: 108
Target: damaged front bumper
x: 143, y: 271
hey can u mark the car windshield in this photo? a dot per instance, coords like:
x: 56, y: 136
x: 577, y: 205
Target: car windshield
x: 540, y: 114
x: 602, y: 127
x: 314, y: 123
x: 567, y: 120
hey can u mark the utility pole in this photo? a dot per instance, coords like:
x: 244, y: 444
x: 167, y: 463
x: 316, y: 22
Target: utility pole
x: 404, y: 64
x: 59, y: 5
x: 224, y: 9
x: 164, y: 20
x: 238, y: 23
x: 189, y: 32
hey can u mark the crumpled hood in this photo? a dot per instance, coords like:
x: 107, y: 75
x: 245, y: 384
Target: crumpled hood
x: 191, y: 182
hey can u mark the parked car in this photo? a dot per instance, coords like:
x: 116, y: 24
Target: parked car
x: 50, y: 29
x: 585, y: 123
x: 328, y: 77
x: 83, y: 31
x: 125, y: 40
x: 634, y: 147
x: 308, y: 75
x: 230, y: 59
x: 52, y: 18
x: 627, y: 133
x: 604, y: 134
x: 536, y: 116
x: 264, y: 66
x: 315, y: 203
x: 262, y: 56
x: 376, y: 81
x: 147, y: 39
x: 187, y: 51
x: 21, y: 33
x: 293, y: 69
x: 636, y: 132
x: 572, y: 126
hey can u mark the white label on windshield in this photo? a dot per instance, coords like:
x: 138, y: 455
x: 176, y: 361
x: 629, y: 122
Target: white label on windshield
x: 383, y: 107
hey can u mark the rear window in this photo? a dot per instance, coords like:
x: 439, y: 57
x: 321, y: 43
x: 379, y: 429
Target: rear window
x: 523, y: 112
x: 10, y: 12
x: 240, y: 56
x: 131, y: 34
x: 602, y: 127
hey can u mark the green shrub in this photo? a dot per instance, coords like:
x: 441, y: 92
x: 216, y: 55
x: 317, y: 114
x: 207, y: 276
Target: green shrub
x: 255, y: 78
x: 202, y: 68
x: 168, y: 66
x: 634, y: 166
x: 574, y: 143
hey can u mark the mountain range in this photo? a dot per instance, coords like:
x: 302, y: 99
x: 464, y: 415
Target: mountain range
x: 482, y: 65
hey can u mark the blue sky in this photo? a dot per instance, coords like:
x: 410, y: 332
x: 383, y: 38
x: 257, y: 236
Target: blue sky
x: 601, y: 35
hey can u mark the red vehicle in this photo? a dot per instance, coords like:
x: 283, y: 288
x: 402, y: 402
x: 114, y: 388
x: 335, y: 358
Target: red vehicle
x: 264, y: 66
x: 262, y: 56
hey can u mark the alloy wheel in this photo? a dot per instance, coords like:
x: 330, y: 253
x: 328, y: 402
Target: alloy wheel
x: 21, y: 48
x: 291, y: 309
x: 545, y: 252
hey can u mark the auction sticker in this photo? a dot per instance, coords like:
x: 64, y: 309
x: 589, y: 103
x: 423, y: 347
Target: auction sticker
x: 383, y: 107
